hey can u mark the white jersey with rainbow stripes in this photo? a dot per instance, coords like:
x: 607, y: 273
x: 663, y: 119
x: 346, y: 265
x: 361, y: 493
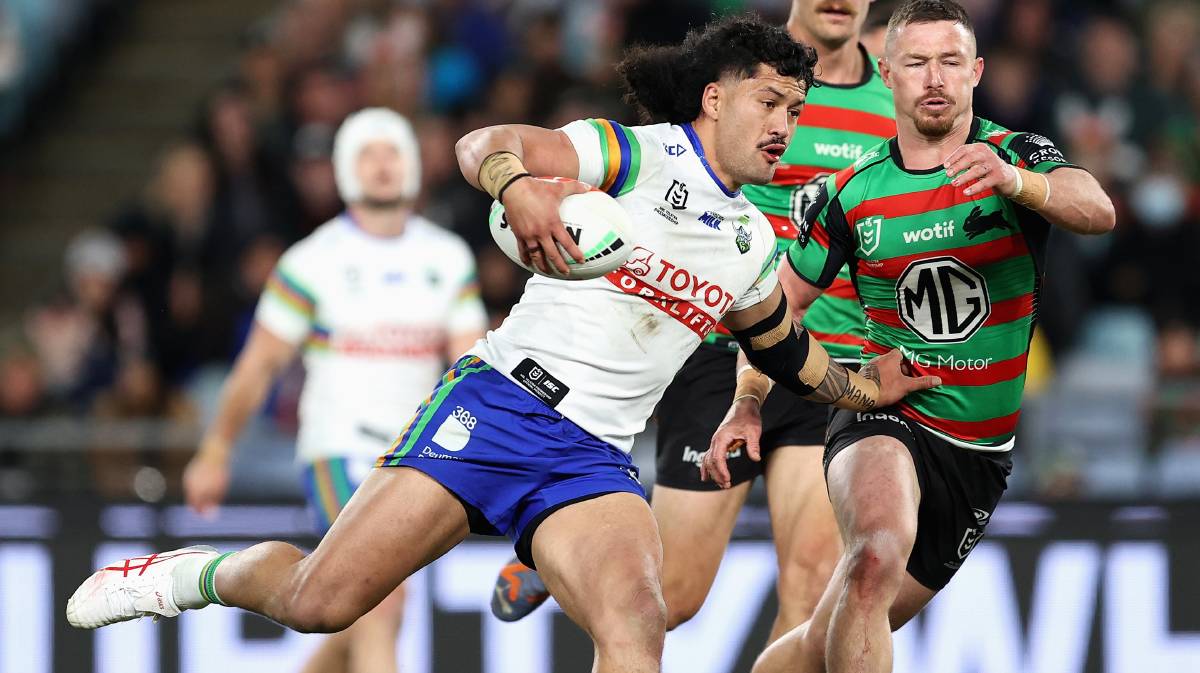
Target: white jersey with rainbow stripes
x: 373, y: 316
x: 602, y: 351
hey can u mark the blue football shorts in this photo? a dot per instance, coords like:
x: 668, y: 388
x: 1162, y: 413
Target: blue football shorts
x: 507, y: 456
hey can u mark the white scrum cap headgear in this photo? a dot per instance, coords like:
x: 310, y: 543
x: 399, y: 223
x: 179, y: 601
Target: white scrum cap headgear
x: 367, y: 125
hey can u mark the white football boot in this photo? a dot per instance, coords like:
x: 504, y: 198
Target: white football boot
x: 130, y: 589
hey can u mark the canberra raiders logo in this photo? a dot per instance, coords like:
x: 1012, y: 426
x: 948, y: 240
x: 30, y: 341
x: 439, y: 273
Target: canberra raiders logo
x: 744, y: 236
x: 942, y: 300
x: 868, y: 230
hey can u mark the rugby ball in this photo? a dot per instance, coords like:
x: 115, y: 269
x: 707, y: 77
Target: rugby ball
x: 600, y: 226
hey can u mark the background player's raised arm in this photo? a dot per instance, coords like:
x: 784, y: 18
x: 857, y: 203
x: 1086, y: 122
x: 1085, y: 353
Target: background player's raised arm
x: 496, y: 158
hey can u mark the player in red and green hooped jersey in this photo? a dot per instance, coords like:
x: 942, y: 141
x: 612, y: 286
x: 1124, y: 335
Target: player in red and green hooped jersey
x: 846, y: 114
x: 849, y: 111
x: 943, y: 228
x: 840, y: 122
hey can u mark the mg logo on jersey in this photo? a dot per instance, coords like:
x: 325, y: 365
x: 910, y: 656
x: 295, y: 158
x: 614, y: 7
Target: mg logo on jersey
x: 869, y: 229
x: 942, y: 300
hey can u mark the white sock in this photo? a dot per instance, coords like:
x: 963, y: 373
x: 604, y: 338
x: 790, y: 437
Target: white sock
x: 185, y: 582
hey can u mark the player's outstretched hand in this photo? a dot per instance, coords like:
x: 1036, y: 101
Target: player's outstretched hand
x: 532, y: 210
x: 206, y: 480
x: 974, y: 167
x: 892, y: 374
x: 742, y: 427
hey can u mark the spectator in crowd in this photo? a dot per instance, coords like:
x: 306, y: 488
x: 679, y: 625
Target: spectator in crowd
x: 252, y: 196
x: 81, y: 336
x: 166, y: 236
x: 1107, y: 112
x: 128, y: 460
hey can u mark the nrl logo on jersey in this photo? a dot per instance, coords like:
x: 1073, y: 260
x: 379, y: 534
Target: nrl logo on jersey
x: 869, y: 230
x: 743, y: 234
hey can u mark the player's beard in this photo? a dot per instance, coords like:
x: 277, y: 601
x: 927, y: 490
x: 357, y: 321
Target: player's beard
x: 935, y: 126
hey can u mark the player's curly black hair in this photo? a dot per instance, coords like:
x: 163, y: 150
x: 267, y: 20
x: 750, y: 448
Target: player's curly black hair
x: 665, y: 83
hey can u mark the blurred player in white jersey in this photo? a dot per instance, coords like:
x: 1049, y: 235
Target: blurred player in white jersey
x: 529, y: 435
x: 377, y: 301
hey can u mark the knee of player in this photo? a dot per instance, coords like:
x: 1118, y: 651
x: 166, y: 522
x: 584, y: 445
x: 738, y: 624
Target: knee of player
x: 649, y: 606
x: 637, y: 611
x: 805, y: 574
x: 876, y: 562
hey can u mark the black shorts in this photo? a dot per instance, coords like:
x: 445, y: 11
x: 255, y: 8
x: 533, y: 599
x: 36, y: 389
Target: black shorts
x: 694, y: 405
x: 960, y: 488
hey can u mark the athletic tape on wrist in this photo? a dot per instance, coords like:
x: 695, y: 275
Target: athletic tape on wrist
x: 487, y: 176
x: 1020, y: 182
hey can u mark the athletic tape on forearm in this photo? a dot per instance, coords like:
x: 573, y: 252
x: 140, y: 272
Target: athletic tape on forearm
x: 752, y: 383
x: 801, y: 364
x: 499, y: 170
x: 771, y: 346
x: 1033, y: 194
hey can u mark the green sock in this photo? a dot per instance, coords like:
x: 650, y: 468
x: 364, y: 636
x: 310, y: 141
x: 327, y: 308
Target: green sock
x: 208, y: 579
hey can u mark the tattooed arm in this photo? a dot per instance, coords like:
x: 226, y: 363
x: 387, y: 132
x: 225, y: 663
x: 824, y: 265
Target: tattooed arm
x: 801, y: 364
x: 798, y: 362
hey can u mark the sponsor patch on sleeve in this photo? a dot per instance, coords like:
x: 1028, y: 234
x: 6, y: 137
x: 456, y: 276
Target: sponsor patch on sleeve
x: 1035, y: 149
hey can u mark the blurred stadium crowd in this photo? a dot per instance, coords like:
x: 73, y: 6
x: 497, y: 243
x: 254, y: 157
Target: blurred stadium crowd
x: 159, y: 295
